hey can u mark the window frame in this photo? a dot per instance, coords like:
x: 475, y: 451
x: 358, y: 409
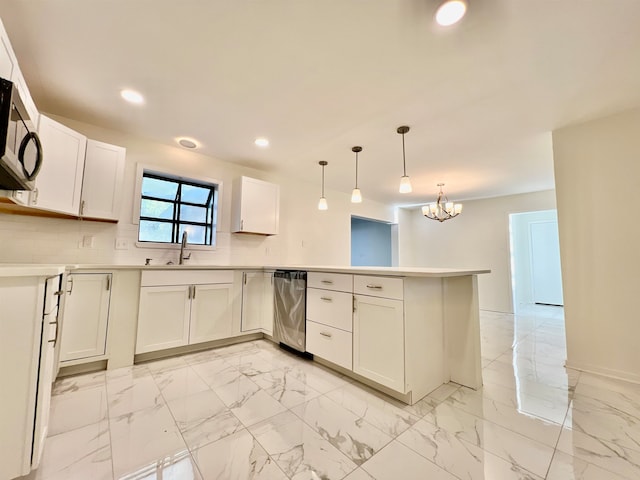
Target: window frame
x: 153, y: 171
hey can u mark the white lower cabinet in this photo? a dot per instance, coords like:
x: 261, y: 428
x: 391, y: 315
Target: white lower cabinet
x: 86, y: 316
x: 330, y: 343
x: 378, y: 340
x: 257, y: 302
x: 198, y: 310
x: 163, y: 319
x: 210, y: 313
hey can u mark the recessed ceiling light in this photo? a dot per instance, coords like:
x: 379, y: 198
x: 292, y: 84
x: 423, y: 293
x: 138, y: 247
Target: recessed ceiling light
x: 262, y: 142
x: 187, y: 143
x: 450, y: 12
x: 132, y: 96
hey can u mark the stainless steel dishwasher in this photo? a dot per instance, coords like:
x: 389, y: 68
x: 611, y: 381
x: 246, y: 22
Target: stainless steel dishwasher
x: 290, y: 308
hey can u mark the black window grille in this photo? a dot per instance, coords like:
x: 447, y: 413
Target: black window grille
x: 170, y: 206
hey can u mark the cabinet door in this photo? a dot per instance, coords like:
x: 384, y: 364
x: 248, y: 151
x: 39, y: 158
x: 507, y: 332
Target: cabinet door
x: 163, y: 318
x: 7, y: 59
x: 252, y: 300
x: 59, y: 183
x: 378, y: 341
x: 210, y: 312
x: 86, y: 316
x: 101, y: 185
x: 267, y: 304
x: 256, y: 206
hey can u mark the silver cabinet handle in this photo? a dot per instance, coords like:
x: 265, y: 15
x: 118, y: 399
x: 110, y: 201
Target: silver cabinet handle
x: 374, y: 287
x: 82, y: 203
x: 327, y: 282
x: 354, y: 304
x: 34, y: 198
x: 325, y: 334
x: 108, y: 282
x: 194, y: 292
x: 326, y: 299
x: 70, y: 281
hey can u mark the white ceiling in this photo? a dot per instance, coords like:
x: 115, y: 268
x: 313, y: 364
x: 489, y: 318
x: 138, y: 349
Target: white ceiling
x: 318, y: 77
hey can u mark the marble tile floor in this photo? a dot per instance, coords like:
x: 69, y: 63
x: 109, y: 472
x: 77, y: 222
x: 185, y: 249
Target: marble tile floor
x: 254, y: 411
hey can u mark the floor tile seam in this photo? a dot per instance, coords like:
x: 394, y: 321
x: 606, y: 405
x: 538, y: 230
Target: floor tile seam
x: 608, y: 445
x: 267, y: 452
x: 534, y: 417
x: 357, y: 417
x: 507, y: 460
x: 190, y: 452
x: 635, y: 448
x: 108, y: 420
x: 495, y: 425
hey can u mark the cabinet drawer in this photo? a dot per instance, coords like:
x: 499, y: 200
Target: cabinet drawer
x: 330, y: 343
x: 331, y: 281
x: 152, y: 278
x: 330, y: 308
x: 386, y: 287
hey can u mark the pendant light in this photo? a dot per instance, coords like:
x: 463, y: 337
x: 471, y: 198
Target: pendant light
x: 356, y: 196
x: 405, y: 183
x: 322, y: 204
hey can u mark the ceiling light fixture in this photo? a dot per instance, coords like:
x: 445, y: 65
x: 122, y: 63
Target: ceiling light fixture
x: 322, y: 204
x: 442, y: 209
x: 132, y: 96
x: 405, y: 183
x: 356, y: 196
x: 187, y: 143
x: 451, y: 12
x: 262, y: 142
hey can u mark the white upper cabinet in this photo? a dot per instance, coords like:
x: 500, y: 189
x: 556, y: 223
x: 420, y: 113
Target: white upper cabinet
x: 101, y: 186
x: 59, y: 183
x: 10, y: 70
x: 255, y: 206
x: 7, y: 59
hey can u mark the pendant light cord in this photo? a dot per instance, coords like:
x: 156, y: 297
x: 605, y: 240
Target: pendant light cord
x: 356, y: 169
x: 404, y: 161
x: 322, y: 181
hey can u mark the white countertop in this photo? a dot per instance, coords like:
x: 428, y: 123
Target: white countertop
x: 386, y: 271
x: 7, y: 270
x: 30, y: 270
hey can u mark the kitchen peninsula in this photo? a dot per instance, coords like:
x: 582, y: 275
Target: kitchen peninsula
x: 404, y: 331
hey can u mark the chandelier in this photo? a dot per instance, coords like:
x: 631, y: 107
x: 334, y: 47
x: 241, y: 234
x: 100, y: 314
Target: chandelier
x: 442, y: 209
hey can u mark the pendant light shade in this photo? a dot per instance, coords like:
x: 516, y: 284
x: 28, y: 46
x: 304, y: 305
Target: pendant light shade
x: 356, y: 196
x: 451, y: 12
x: 405, y: 183
x: 322, y: 204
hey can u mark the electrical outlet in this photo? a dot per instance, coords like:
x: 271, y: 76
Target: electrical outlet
x: 88, y: 241
x: 122, y: 244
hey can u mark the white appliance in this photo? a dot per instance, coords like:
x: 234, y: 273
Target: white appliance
x: 20, y: 149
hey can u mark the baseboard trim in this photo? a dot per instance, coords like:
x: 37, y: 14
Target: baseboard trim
x: 603, y: 371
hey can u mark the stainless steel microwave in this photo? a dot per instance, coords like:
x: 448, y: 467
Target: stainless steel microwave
x: 20, y: 148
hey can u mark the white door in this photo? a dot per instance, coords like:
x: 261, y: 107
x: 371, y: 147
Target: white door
x: 163, y: 318
x: 86, y: 316
x: 59, y: 183
x: 101, y: 185
x: 211, y: 317
x: 545, y: 263
x: 252, y: 303
x: 378, y: 340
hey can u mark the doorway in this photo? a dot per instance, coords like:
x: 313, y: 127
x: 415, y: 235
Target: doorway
x: 371, y: 242
x: 536, y: 275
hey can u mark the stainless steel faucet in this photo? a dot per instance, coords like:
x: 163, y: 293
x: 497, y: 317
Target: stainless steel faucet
x: 183, y: 245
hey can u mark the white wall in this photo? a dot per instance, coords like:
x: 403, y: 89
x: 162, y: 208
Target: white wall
x: 521, y: 246
x: 478, y: 238
x: 307, y: 236
x: 597, y: 170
